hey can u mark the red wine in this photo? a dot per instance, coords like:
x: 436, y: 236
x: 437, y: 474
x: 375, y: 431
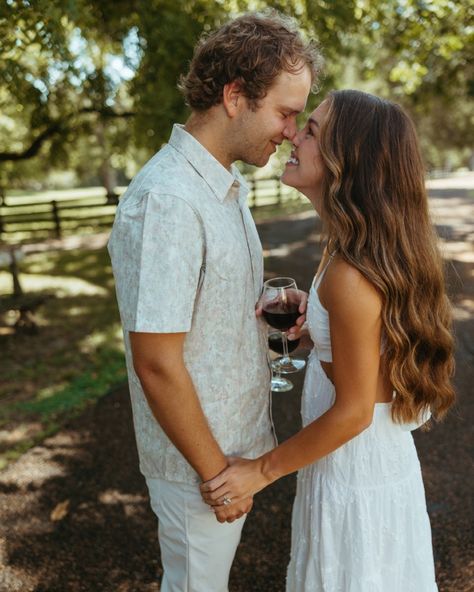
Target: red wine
x: 275, y: 343
x: 281, y: 316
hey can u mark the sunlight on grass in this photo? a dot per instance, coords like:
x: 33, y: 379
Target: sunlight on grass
x: 61, y: 285
x: 75, y: 357
x: 112, y: 338
x: 50, y: 391
x: 108, y: 370
x: 58, y: 195
x: 19, y: 434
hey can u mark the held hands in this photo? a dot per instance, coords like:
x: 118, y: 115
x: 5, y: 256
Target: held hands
x: 237, y: 483
x: 233, y: 511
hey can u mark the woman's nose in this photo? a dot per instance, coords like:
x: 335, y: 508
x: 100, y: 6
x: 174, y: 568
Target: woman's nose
x: 296, y: 139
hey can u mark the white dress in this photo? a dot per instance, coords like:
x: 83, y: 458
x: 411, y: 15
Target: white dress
x: 359, y: 518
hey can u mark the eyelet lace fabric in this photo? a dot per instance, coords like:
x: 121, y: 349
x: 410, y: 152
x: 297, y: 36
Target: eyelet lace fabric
x: 359, y: 519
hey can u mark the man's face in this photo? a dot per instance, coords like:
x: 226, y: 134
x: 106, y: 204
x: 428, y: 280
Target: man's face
x: 259, y: 132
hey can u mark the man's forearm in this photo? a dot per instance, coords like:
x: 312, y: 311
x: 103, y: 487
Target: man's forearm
x: 174, y: 402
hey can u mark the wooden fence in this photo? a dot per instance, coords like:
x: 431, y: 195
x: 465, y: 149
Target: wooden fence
x: 24, y: 222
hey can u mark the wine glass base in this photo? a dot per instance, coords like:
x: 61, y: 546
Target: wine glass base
x: 281, y: 385
x: 295, y: 365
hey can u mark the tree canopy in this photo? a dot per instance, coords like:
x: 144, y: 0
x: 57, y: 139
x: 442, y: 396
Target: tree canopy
x: 95, y: 82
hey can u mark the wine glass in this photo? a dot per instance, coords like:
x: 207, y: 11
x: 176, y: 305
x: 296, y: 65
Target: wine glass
x: 279, y: 384
x: 275, y: 343
x: 280, y: 302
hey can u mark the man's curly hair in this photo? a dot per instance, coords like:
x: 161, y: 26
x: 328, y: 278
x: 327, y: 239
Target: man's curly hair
x: 252, y: 49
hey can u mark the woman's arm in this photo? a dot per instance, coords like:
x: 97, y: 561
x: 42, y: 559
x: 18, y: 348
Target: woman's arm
x: 354, y: 308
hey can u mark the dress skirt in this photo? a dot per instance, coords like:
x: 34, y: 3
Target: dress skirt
x: 359, y: 520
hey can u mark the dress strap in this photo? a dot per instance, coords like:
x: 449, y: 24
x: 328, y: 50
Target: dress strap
x: 319, y: 276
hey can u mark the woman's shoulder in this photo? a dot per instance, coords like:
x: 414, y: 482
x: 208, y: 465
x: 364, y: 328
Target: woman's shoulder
x: 345, y: 288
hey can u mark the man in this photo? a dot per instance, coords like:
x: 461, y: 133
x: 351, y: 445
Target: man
x: 188, y: 268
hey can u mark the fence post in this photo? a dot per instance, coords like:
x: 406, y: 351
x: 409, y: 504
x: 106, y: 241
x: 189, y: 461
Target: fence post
x: 253, y: 185
x: 57, y: 220
x: 17, y: 289
x: 279, y: 196
x: 3, y: 202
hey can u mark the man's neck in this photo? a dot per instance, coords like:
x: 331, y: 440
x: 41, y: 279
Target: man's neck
x: 210, y: 133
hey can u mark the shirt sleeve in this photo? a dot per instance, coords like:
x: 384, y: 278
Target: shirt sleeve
x: 169, y: 260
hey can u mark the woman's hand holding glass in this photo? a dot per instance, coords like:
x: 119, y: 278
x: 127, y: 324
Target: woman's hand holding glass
x: 298, y: 329
x: 283, y: 307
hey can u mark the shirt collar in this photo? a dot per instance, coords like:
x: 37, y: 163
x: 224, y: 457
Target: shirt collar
x: 219, y: 179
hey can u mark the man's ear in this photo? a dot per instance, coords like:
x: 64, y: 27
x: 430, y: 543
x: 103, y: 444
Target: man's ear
x: 232, y: 97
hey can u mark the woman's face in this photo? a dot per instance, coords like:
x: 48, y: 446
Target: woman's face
x: 305, y: 169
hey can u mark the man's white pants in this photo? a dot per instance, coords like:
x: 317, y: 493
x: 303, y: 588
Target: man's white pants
x: 196, y: 550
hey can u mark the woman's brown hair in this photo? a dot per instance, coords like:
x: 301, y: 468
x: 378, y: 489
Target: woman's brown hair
x: 252, y: 49
x: 375, y: 210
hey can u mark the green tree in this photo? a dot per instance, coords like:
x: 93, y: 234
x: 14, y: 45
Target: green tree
x: 88, y: 84
x: 421, y: 53
x: 55, y: 84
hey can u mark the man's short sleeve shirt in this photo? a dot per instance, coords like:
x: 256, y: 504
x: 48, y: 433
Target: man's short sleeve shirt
x: 187, y: 258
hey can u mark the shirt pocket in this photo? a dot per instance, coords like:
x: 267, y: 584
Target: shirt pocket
x: 229, y: 260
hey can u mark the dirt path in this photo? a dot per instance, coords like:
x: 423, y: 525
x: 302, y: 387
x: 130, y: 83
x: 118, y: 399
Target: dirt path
x: 74, y: 513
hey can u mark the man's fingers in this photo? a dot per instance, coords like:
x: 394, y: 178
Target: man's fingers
x: 212, y: 484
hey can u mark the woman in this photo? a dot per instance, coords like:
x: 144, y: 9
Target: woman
x: 383, y: 356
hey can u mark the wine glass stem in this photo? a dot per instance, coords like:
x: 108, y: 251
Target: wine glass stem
x: 286, y: 357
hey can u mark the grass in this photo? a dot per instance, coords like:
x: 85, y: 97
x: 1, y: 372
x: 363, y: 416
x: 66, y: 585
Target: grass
x: 76, y: 356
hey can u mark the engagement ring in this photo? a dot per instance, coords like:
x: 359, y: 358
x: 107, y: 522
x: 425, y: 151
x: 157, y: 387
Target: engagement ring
x: 226, y: 501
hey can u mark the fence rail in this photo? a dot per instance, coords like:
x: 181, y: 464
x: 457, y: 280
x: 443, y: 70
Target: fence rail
x: 23, y: 222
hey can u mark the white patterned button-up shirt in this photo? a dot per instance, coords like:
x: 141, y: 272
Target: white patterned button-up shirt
x: 186, y: 257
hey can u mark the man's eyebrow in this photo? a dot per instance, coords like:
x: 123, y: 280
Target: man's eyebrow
x: 291, y: 110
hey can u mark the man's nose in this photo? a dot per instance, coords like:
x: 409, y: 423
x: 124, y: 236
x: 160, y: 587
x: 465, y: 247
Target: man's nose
x: 290, y: 130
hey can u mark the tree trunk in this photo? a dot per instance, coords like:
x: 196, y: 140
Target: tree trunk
x: 107, y: 174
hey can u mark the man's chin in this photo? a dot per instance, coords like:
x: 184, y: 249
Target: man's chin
x: 255, y: 162
x: 261, y: 161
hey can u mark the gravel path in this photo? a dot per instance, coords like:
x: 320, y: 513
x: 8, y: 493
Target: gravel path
x: 74, y: 513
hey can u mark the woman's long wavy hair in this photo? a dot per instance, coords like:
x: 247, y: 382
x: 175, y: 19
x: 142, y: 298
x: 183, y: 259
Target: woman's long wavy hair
x: 375, y: 213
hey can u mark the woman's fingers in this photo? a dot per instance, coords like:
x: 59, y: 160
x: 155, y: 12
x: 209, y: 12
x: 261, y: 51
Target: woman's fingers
x: 303, y: 302
x: 214, y: 484
x: 215, y: 496
x: 230, y: 486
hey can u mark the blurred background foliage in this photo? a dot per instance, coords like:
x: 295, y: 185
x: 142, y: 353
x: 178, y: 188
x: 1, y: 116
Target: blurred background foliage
x: 90, y: 86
